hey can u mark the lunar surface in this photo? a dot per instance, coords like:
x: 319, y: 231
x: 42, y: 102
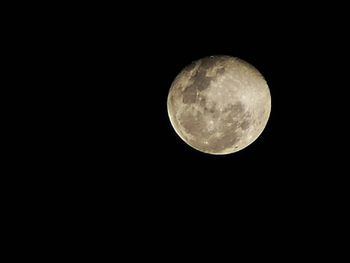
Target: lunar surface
x: 219, y: 104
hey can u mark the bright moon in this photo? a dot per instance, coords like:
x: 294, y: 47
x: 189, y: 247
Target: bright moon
x: 219, y: 104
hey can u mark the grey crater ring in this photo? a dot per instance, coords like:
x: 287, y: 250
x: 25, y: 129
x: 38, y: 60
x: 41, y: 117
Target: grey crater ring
x: 219, y: 104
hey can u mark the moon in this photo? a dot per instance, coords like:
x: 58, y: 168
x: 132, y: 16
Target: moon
x: 219, y: 104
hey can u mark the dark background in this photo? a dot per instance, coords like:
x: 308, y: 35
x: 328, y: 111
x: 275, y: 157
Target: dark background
x: 120, y: 68
x: 106, y: 158
x: 129, y: 65
x: 129, y: 149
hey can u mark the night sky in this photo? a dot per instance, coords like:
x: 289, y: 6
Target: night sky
x: 117, y: 155
x: 129, y: 73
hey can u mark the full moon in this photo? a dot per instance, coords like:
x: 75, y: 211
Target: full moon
x: 219, y: 104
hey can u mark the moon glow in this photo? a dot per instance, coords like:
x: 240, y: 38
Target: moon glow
x: 219, y: 104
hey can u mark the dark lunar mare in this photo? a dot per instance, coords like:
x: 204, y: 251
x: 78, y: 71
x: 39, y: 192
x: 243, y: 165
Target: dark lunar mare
x: 199, y: 81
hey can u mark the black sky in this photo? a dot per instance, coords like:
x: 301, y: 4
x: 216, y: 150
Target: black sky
x: 128, y: 64
x: 105, y: 158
